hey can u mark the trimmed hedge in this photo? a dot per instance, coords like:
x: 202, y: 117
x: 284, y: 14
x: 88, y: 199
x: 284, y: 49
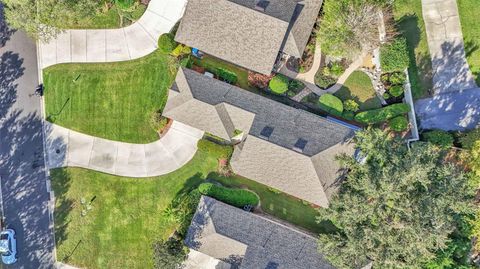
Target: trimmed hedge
x: 331, y: 104
x: 382, y: 114
x: 235, y: 197
x: 279, y: 84
x: 439, y: 138
x: 394, y: 56
x: 227, y: 75
x: 398, y: 124
x: 396, y: 91
x: 166, y: 43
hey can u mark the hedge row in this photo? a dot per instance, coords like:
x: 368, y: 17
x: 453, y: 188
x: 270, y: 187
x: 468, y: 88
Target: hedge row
x: 235, y: 197
x: 394, y: 55
x: 331, y: 104
x: 382, y: 114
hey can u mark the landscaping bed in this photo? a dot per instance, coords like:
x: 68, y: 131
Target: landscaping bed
x: 110, y: 100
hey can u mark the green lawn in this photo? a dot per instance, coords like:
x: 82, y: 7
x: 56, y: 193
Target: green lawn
x: 211, y: 64
x: 110, y: 100
x: 126, y: 215
x: 280, y: 205
x: 108, y: 19
x: 359, y: 88
x: 469, y: 10
x: 408, y: 14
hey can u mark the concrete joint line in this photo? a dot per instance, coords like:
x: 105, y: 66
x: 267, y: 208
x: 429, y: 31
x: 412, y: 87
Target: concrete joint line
x: 126, y: 42
x: 149, y: 34
x: 159, y: 15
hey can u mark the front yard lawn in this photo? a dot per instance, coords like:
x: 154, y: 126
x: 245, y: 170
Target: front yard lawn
x: 359, y: 88
x: 469, y: 10
x: 409, y: 18
x: 110, y: 100
x: 109, y: 19
x: 127, y: 214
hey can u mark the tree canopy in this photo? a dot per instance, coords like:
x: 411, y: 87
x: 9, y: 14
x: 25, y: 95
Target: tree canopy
x: 396, y: 209
x: 43, y: 19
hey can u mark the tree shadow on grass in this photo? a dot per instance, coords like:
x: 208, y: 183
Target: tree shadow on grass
x: 471, y: 46
x: 61, y: 182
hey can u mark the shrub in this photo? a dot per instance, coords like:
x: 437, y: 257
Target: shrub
x: 181, y: 50
x: 296, y: 85
x: 396, y: 91
x: 439, y: 138
x: 221, y: 151
x: 382, y: 114
x: 397, y: 78
x: 331, y: 104
x: 394, y: 56
x: 323, y: 81
x: 348, y: 115
x: 279, y: 84
x: 157, y: 121
x: 227, y: 75
x: 468, y: 140
x: 351, y: 105
x: 258, y: 80
x: 386, y: 95
x: 398, y: 124
x: 235, y: 197
x: 124, y: 4
x: 334, y: 69
x: 166, y: 43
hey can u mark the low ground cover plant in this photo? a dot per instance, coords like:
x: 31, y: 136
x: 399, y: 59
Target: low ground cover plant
x: 438, y: 137
x: 382, y: 114
x: 235, y: 197
x: 227, y: 75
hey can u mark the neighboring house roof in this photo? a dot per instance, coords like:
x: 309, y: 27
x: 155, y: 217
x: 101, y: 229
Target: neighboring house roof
x: 249, y: 241
x: 236, y: 31
x: 285, y: 148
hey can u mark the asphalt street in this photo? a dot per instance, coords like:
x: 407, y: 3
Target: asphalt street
x: 22, y: 169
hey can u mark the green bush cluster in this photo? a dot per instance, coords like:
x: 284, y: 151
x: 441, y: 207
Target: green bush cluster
x: 468, y: 140
x: 398, y: 124
x: 223, y: 152
x: 166, y: 43
x: 235, y: 197
x: 324, y: 81
x: 279, y: 84
x: 396, y: 91
x: 334, y: 69
x: 124, y: 4
x: 351, y: 105
x: 227, y: 75
x: 382, y: 114
x: 395, y: 78
x: 439, y: 138
x: 331, y: 104
x: 394, y: 55
x: 181, y: 50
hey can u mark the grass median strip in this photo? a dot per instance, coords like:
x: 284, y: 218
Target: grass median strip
x: 110, y: 100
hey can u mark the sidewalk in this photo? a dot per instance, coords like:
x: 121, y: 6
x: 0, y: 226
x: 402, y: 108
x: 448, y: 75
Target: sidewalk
x: 69, y: 148
x: 110, y: 45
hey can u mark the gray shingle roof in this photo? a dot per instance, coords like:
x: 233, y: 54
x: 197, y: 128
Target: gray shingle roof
x: 289, y: 124
x: 233, y: 32
x: 280, y: 9
x: 231, y: 234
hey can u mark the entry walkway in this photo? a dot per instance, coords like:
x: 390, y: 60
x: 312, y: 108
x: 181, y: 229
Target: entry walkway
x: 73, y: 149
x: 111, y: 45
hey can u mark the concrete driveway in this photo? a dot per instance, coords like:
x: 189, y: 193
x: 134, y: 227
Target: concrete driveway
x: 69, y: 148
x: 455, y: 104
x: 110, y: 45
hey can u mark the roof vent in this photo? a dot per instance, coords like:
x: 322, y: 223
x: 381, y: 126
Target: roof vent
x: 300, y: 145
x: 262, y: 5
x: 266, y: 132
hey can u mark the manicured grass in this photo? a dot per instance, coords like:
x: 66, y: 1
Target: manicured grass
x: 408, y: 15
x: 469, y: 10
x: 211, y: 64
x: 359, y: 88
x: 110, y: 100
x: 280, y: 205
x: 108, y: 19
x: 126, y: 215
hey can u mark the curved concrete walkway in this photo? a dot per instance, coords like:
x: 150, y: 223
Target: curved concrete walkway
x: 69, y: 148
x: 111, y: 45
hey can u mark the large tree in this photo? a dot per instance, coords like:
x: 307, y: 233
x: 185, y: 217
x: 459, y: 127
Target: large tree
x: 43, y: 19
x: 397, y: 208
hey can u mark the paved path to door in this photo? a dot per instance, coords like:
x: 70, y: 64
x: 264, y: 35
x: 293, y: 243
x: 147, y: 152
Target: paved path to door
x: 69, y: 148
x: 455, y: 104
x: 111, y: 45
